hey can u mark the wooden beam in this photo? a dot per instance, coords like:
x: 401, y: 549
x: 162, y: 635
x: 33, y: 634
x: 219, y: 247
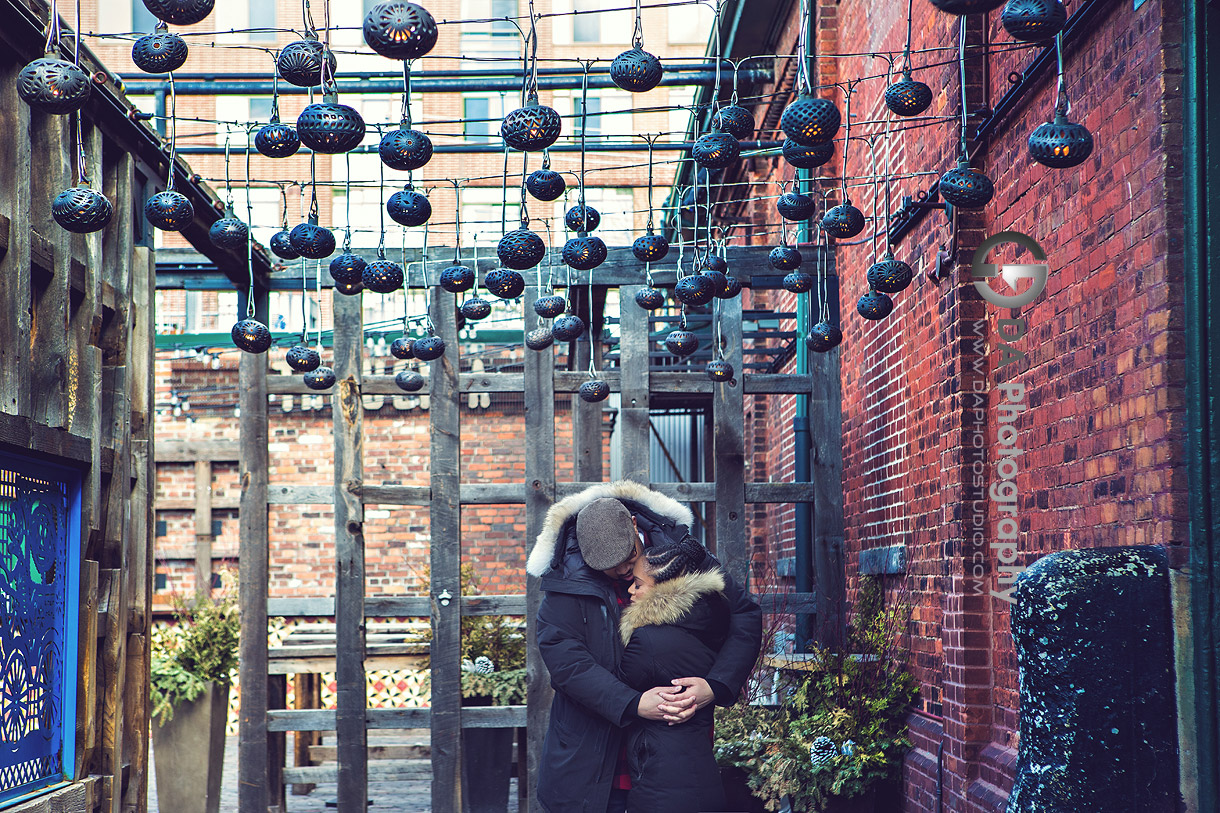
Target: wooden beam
x: 15, y: 295
x: 445, y: 514
x: 203, y: 526
x: 253, y: 793
x: 396, y: 606
x: 728, y: 416
x: 183, y: 451
x: 348, y: 414
x: 384, y: 719
x: 539, y: 493
x: 633, y: 428
x: 826, y: 435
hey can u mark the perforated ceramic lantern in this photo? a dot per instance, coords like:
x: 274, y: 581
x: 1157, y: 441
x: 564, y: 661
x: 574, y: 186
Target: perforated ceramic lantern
x: 504, y: 283
x: 568, y: 328
x: 350, y: 288
x: 403, y: 348
x: 476, y: 308
x: 784, y: 258
x: 803, y: 157
x: 1060, y: 144
x: 714, y: 262
x: 908, y: 96
x: 650, y: 247
x: 408, y: 208
x: 405, y: 149
x: 251, y: 336
x: 82, y: 210
x: 811, y: 120
x: 383, y: 276
x: 843, y: 221
x: 53, y: 85
x: 798, y: 282
x: 734, y: 120
x: 960, y: 7
x: 281, y: 246
x: 582, y: 218
x: 694, y: 290
x: 965, y: 187
x: 300, y: 63
x: 732, y: 287
x: 1033, y: 20
x: 520, y: 249
x: 400, y: 30
x: 594, y: 391
x: 159, y: 52
x: 715, y: 150
x: 636, y: 70
x: 545, y: 184
x: 311, y: 240
x: 321, y: 378
x: 716, y: 279
x: 539, y: 338
x: 823, y: 337
x: 429, y: 347
x: 681, y: 343
x: 457, y: 278
x: 348, y: 268
x: 276, y: 140
x: 330, y: 127
x: 719, y: 370
x: 874, y: 305
x: 302, y: 358
x: 229, y: 232
x: 531, y: 128
x: 794, y: 206
x: 584, y: 252
x: 409, y: 381
x: 650, y: 298
x: 890, y: 275
x: 169, y: 211
x: 548, y: 307
x: 180, y: 12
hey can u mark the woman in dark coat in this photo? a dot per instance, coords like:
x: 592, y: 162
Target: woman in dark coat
x: 676, y: 623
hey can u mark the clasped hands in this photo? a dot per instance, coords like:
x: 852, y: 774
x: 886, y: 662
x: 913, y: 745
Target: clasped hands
x: 677, y: 703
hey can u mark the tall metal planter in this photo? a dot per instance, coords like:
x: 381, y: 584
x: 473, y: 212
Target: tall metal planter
x: 189, y: 753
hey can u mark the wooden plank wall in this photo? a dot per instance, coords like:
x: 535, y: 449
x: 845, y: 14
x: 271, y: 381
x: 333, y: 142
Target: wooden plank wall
x: 76, y: 368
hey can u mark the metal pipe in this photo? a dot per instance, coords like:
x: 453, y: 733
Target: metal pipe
x: 508, y: 84
x: 497, y: 148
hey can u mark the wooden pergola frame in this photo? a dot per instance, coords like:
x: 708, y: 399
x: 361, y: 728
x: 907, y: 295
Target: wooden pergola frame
x: 264, y: 722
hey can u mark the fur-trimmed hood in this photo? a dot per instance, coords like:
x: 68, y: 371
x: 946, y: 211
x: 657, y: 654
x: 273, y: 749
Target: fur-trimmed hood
x: 543, y: 552
x: 670, y: 601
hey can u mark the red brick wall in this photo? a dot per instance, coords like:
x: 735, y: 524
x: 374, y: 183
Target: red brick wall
x: 1103, y: 375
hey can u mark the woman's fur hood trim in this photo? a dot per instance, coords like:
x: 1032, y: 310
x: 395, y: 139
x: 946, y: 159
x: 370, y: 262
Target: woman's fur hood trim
x: 540, y: 557
x: 669, y: 601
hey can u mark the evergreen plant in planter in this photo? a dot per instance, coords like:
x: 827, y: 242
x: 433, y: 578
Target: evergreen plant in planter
x: 839, y: 733
x: 191, y: 670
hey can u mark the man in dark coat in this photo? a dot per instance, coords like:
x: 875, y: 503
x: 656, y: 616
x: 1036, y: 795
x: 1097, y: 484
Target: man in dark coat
x: 582, y: 768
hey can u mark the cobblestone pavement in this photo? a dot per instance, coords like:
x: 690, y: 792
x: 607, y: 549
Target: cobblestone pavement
x: 388, y: 797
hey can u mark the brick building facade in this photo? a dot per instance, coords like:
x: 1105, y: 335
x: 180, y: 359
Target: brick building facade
x: 1100, y: 427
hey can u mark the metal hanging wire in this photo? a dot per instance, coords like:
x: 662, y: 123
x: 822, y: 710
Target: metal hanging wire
x: 249, y: 218
x: 1063, y: 104
x: 457, y: 222
x: 961, y: 63
x: 347, y: 203
x: 637, y: 36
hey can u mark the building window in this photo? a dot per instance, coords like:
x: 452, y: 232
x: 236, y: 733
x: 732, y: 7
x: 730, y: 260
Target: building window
x: 262, y: 19
x: 141, y: 18
x: 586, y: 27
x: 691, y: 24
x: 482, y: 114
x: 483, y: 212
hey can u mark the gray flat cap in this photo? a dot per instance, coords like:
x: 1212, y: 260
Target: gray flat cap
x: 605, y: 533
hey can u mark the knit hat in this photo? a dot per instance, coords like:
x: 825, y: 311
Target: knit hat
x: 605, y: 533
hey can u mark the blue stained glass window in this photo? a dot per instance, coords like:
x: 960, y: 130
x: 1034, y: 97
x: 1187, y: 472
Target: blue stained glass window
x: 39, y: 609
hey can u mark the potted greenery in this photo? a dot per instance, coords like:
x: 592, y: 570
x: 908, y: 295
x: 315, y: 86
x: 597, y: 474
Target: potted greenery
x: 839, y: 731
x: 191, y: 670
